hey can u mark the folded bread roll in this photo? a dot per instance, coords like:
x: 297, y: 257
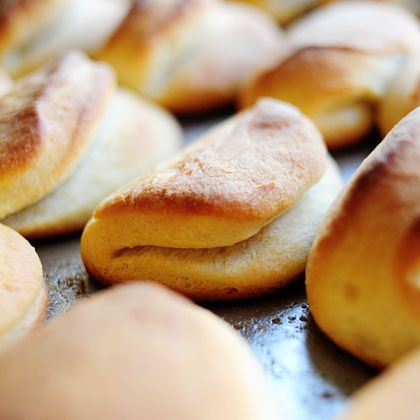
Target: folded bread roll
x: 192, y: 56
x: 342, y: 66
x: 133, y: 136
x: 285, y: 10
x: 362, y: 273
x: 46, y: 122
x: 393, y: 395
x: 23, y: 297
x: 221, y: 220
x: 67, y: 25
x: 134, y: 352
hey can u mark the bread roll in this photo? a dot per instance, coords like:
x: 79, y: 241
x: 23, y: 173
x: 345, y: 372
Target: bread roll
x: 363, y: 268
x: 23, y: 297
x: 393, y: 395
x: 222, y: 220
x: 133, y: 136
x: 46, y: 122
x: 20, y: 20
x: 285, y: 10
x: 192, y: 56
x: 81, y: 24
x: 342, y: 66
x: 129, y: 353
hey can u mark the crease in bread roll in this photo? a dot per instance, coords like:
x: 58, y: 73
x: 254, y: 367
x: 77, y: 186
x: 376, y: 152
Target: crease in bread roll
x: 285, y: 10
x: 341, y: 67
x: 223, y: 219
x: 162, y: 348
x: 362, y: 273
x: 189, y: 55
x: 23, y: 296
x: 46, y: 122
x: 132, y: 137
x: 79, y: 24
x: 394, y: 394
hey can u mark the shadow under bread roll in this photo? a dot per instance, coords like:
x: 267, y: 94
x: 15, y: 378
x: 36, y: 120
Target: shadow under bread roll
x: 393, y: 395
x: 23, y: 295
x: 341, y: 67
x: 133, y: 352
x: 231, y: 216
x: 363, y: 270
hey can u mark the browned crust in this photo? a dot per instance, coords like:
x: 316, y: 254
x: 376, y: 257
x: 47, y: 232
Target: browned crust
x: 275, y: 154
x: 38, y: 140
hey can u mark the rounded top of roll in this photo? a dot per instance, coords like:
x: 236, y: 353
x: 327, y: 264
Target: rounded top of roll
x: 133, y: 351
x: 21, y: 278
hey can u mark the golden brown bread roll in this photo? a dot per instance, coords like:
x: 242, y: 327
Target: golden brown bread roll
x: 342, y: 66
x: 363, y: 268
x: 192, y: 56
x: 393, y: 395
x: 285, y: 10
x: 23, y: 297
x: 133, y: 136
x: 45, y: 29
x: 134, y: 352
x: 222, y: 219
x: 46, y: 122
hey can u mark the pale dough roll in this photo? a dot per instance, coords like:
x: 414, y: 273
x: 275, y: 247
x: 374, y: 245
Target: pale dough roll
x: 80, y: 24
x: 46, y: 122
x: 20, y: 20
x: 133, y: 136
x: 362, y: 273
x: 192, y: 56
x: 222, y: 189
x: 402, y: 96
x: 134, y: 352
x: 23, y: 297
x: 341, y: 66
x: 267, y: 261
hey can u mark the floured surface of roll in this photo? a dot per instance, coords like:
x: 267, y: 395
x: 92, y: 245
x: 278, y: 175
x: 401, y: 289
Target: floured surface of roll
x: 393, y: 395
x: 46, y: 122
x: 362, y: 273
x: 189, y: 56
x: 341, y: 66
x: 23, y: 297
x: 134, y: 351
x: 133, y: 136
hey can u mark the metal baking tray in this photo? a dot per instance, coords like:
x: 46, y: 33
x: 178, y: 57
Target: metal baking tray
x: 311, y: 378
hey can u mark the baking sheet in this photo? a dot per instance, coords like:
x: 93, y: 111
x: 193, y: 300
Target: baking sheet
x: 311, y: 378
